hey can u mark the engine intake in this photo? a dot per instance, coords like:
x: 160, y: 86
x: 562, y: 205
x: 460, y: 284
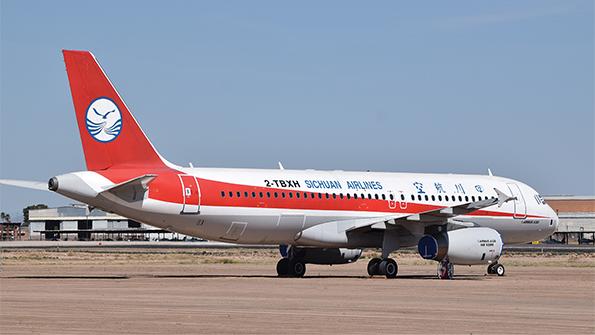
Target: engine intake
x: 468, y: 246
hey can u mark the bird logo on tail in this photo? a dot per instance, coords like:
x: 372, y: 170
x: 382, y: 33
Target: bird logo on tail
x: 104, y: 120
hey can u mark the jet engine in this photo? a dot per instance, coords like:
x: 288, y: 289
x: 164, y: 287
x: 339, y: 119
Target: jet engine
x: 468, y: 246
x: 326, y: 256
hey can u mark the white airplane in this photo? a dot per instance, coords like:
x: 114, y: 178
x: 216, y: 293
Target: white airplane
x: 318, y: 217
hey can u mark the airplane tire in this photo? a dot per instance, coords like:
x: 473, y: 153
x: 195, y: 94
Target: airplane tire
x: 499, y: 270
x: 297, y: 269
x: 390, y: 268
x: 283, y: 267
x: 373, y: 266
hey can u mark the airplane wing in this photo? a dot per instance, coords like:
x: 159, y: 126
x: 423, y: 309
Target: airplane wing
x: 34, y: 185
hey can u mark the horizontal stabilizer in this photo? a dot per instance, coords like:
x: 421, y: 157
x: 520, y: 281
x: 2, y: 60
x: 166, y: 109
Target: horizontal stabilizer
x: 131, y: 190
x: 34, y: 185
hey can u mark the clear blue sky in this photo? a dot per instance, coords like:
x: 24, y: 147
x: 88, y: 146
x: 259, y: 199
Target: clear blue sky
x: 386, y: 86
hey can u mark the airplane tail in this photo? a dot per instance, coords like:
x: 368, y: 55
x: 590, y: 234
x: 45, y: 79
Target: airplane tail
x: 110, y: 135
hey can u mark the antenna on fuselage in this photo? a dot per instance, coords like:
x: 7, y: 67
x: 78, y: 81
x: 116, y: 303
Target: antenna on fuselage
x: 490, y: 172
x: 280, y: 166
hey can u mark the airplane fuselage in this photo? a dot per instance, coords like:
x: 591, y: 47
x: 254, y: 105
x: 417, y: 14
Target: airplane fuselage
x: 274, y: 206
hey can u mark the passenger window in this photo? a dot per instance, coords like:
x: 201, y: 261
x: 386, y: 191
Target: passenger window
x: 341, y: 195
x: 466, y: 198
x: 402, y: 197
x: 383, y: 196
x: 230, y: 194
x: 239, y: 194
x: 391, y: 196
x: 433, y: 197
x: 369, y: 196
x: 327, y: 195
x: 439, y: 198
x: 297, y: 194
x: 268, y: 194
x: 290, y: 194
x: 412, y: 197
x: 419, y: 197
x: 260, y: 194
x: 253, y: 194
x: 460, y: 198
x: 282, y: 194
x: 348, y: 196
x: 222, y: 194
x: 446, y: 197
x: 354, y: 195
x: 427, y: 198
x: 334, y: 196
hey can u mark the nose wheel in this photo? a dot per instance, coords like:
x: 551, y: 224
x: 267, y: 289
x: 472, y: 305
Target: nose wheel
x: 387, y: 267
x: 496, y: 269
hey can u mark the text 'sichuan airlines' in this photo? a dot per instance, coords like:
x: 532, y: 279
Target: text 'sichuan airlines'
x: 318, y: 217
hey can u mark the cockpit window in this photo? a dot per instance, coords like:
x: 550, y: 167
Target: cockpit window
x: 539, y: 199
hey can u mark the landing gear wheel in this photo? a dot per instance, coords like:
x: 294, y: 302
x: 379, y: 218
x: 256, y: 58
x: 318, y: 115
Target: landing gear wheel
x: 373, y: 266
x: 297, y: 269
x: 445, y: 269
x: 499, y: 270
x: 388, y: 267
x: 496, y: 269
x: 283, y: 267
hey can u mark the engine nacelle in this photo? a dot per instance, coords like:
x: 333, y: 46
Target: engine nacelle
x: 468, y: 246
x: 327, y: 256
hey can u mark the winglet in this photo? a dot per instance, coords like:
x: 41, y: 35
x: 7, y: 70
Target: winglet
x: 503, y: 197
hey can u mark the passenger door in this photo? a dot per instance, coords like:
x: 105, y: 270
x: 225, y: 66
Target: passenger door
x: 520, y: 207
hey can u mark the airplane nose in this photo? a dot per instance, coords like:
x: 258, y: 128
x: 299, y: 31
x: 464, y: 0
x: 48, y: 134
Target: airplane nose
x: 555, y: 221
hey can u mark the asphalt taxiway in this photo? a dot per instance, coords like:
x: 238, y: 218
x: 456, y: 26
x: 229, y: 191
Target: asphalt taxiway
x: 212, y: 291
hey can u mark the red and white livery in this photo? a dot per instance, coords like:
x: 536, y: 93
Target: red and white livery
x: 322, y: 217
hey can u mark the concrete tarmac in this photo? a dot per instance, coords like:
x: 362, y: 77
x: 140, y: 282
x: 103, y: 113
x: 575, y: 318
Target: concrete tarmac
x: 78, y: 292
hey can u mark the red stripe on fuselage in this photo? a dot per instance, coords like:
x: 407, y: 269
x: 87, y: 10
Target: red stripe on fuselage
x: 166, y: 187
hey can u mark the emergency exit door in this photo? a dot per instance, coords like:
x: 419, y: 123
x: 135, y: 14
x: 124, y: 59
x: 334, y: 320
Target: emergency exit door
x: 191, y: 194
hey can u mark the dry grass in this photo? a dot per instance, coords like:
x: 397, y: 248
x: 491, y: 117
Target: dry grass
x: 242, y: 256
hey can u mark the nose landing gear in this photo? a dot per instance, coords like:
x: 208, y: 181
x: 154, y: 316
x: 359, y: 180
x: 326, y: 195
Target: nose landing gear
x: 496, y: 269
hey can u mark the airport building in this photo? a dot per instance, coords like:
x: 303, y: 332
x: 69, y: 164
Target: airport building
x: 577, y: 218
x: 78, y: 222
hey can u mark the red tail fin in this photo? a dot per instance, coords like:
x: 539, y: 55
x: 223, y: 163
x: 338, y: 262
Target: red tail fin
x: 110, y: 135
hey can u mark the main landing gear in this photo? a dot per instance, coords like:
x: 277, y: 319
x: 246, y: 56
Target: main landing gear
x: 287, y: 267
x: 496, y: 269
x: 387, y: 267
